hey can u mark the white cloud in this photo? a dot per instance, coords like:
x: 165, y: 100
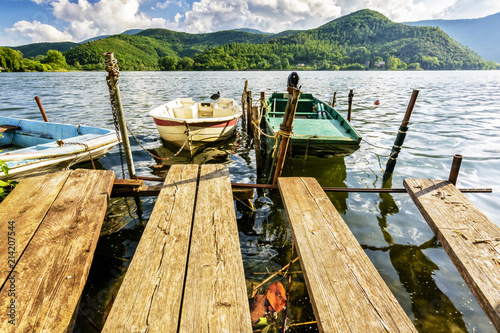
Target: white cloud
x: 81, y: 19
x: 104, y: 17
x: 266, y: 15
x: 39, y: 32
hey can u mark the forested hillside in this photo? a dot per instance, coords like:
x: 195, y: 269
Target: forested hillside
x: 365, y: 39
x: 362, y: 40
x: 37, y: 49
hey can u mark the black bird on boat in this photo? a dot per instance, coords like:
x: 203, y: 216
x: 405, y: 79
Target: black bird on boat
x: 216, y: 96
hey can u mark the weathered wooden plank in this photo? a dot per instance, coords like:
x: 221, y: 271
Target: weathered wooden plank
x: 215, y: 298
x: 51, y: 274
x: 346, y: 291
x: 8, y: 128
x: 149, y: 298
x: 26, y: 206
x: 466, y: 234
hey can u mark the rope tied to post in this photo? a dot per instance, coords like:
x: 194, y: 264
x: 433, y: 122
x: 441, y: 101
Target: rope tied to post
x: 112, y: 68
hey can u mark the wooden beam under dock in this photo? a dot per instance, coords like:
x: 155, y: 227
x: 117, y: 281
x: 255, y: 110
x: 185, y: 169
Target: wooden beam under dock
x: 346, y: 291
x: 467, y: 235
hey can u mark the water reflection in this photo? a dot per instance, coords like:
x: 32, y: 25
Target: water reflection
x: 433, y: 311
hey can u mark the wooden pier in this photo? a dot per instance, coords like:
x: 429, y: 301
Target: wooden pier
x: 51, y: 225
x: 187, y: 272
x: 467, y: 235
x: 346, y: 291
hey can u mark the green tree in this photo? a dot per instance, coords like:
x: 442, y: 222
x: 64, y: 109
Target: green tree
x: 168, y: 63
x: 56, y: 59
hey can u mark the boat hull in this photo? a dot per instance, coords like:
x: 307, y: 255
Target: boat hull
x: 200, y: 134
x: 318, y: 129
x: 185, y: 123
x: 38, y: 147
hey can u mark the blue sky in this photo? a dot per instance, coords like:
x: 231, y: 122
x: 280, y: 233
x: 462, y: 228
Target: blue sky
x: 30, y: 21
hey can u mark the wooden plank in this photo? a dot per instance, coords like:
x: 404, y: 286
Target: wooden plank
x: 215, y: 298
x: 27, y: 206
x: 8, y: 128
x: 51, y: 274
x: 346, y: 291
x: 466, y: 234
x: 149, y: 298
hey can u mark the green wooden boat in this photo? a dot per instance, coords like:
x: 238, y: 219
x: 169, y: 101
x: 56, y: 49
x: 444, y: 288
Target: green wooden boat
x: 318, y: 128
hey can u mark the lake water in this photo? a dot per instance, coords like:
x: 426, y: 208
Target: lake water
x: 456, y: 113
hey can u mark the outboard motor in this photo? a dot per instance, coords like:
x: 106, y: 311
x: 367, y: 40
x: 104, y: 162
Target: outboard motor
x: 293, y: 80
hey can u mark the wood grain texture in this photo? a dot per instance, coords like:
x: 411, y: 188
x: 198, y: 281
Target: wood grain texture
x: 215, y: 298
x: 467, y: 235
x: 53, y: 270
x: 149, y: 298
x: 346, y: 291
x: 27, y: 206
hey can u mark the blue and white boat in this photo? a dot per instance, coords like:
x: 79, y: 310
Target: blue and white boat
x: 33, y: 147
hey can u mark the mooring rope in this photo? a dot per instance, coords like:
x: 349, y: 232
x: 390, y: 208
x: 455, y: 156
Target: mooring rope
x: 113, y: 70
x: 158, y: 157
x: 61, y: 143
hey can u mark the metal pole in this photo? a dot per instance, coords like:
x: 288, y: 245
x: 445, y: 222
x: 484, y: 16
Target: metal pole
x: 121, y: 116
x: 42, y: 111
x: 400, y: 138
x: 455, y: 168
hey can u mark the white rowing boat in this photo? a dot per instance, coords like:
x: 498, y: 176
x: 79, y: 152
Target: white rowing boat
x: 183, y: 122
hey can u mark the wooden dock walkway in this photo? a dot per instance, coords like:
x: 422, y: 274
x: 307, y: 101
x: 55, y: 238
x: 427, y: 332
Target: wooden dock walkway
x: 346, y: 291
x: 467, y: 235
x: 51, y: 225
x: 187, y: 272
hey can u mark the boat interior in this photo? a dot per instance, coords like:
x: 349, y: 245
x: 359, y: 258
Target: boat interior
x: 186, y: 108
x: 308, y: 107
x: 35, y: 135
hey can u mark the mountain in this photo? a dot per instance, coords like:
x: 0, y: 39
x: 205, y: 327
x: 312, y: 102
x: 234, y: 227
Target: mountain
x: 482, y: 34
x: 35, y: 49
x: 253, y: 31
x: 127, y: 32
x: 360, y: 40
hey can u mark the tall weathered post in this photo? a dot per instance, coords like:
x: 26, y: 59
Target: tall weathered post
x: 257, y: 117
x: 334, y: 99
x: 286, y: 127
x: 116, y: 106
x: 249, y: 112
x: 455, y: 169
x: 400, y: 138
x: 40, y: 107
x: 243, y: 104
x: 349, y: 108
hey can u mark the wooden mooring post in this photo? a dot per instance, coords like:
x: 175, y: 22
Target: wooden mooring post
x: 455, y: 168
x: 249, y: 112
x: 400, y: 138
x: 40, y: 107
x: 243, y: 104
x: 285, y: 133
x: 116, y: 102
x: 257, y: 116
x: 334, y: 99
x: 349, y: 107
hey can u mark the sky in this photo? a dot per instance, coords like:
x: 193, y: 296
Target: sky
x: 32, y: 21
